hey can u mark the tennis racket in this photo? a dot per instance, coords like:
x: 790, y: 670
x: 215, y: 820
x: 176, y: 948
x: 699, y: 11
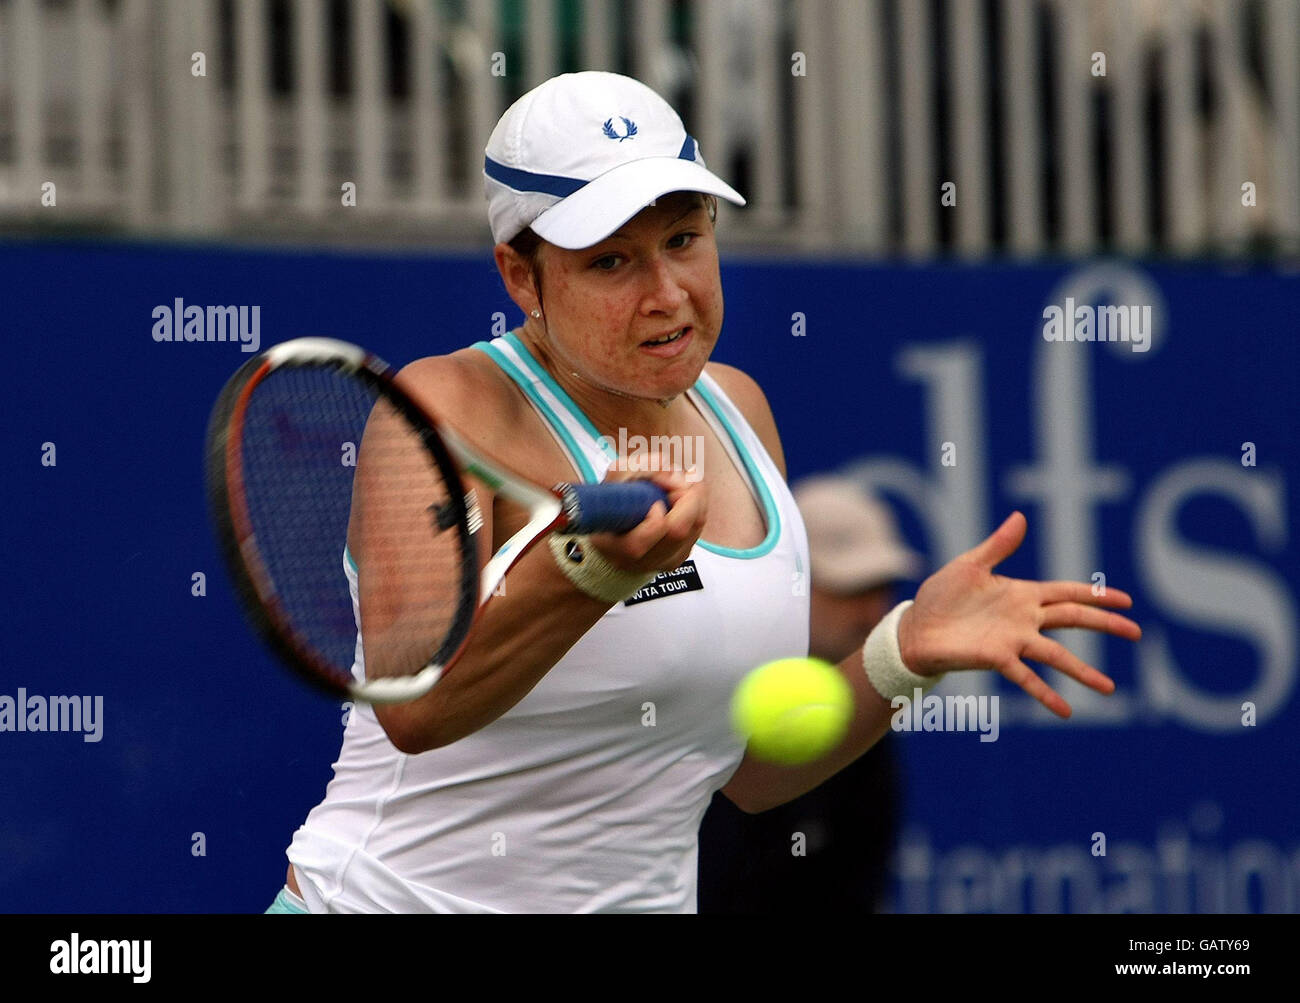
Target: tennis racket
x: 283, y: 446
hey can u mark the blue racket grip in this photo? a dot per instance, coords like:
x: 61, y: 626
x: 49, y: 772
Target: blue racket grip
x: 608, y: 508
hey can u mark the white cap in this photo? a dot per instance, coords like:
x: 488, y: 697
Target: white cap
x: 853, y: 541
x: 578, y: 156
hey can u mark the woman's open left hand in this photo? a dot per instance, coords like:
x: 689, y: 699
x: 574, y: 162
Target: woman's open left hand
x: 966, y: 617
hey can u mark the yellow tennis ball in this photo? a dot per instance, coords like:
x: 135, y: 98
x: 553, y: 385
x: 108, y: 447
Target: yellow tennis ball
x: 793, y: 710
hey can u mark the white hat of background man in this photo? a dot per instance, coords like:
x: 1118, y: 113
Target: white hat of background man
x: 853, y: 541
x: 578, y: 156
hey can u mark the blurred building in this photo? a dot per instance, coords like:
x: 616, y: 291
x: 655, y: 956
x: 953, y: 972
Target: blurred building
x: 881, y: 128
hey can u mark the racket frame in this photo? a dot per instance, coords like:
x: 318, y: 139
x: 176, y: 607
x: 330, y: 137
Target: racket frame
x: 230, y: 514
x: 549, y: 509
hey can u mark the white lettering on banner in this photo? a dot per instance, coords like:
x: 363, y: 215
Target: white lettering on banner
x: 1184, y: 867
x: 1205, y: 586
x: 1065, y: 486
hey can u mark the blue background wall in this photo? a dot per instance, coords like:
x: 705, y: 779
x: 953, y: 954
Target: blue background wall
x: 1126, y: 463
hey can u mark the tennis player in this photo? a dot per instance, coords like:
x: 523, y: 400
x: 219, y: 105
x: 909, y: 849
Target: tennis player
x: 565, y: 764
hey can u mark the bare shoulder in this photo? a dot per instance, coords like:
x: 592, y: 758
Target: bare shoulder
x: 462, y: 385
x: 471, y: 393
x: 748, y: 396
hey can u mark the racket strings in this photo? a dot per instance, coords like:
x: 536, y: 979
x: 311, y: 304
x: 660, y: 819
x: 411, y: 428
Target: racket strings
x: 321, y: 450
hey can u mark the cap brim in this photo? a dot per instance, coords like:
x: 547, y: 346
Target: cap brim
x: 601, y: 206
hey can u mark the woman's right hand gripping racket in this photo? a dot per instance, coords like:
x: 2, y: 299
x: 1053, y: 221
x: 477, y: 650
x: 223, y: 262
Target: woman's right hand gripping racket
x: 282, y: 449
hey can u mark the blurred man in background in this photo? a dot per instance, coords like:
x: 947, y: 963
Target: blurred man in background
x: 757, y: 864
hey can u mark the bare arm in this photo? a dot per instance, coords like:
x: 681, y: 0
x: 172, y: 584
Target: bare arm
x: 964, y: 617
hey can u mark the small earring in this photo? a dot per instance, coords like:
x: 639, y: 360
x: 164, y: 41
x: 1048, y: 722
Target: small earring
x: 537, y: 314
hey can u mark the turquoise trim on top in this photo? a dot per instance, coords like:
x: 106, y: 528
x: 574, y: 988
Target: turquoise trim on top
x: 580, y: 416
x: 347, y: 556
x: 585, y: 469
x: 770, y: 512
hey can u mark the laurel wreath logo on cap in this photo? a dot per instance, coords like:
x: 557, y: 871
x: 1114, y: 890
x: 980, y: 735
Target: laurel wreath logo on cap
x: 556, y: 161
x: 612, y: 133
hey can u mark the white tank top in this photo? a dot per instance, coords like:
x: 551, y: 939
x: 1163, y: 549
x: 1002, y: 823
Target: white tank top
x: 587, y: 795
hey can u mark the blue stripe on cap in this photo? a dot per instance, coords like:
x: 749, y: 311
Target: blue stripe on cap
x: 527, y: 181
x: 555, y: 184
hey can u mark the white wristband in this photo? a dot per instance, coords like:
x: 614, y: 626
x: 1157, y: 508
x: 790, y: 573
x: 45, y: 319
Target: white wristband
x: 588, y: 569
x: 884, y: 662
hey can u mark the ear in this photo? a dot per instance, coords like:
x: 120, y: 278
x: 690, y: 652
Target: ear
x: 517, y: 276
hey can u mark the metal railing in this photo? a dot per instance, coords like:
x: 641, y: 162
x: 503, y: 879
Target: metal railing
x: 967, y: 128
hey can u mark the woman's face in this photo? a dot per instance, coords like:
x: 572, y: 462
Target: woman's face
x: 657, y: 275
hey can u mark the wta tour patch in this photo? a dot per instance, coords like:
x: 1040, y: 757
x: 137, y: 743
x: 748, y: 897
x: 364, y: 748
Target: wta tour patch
x: 684, y: 578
